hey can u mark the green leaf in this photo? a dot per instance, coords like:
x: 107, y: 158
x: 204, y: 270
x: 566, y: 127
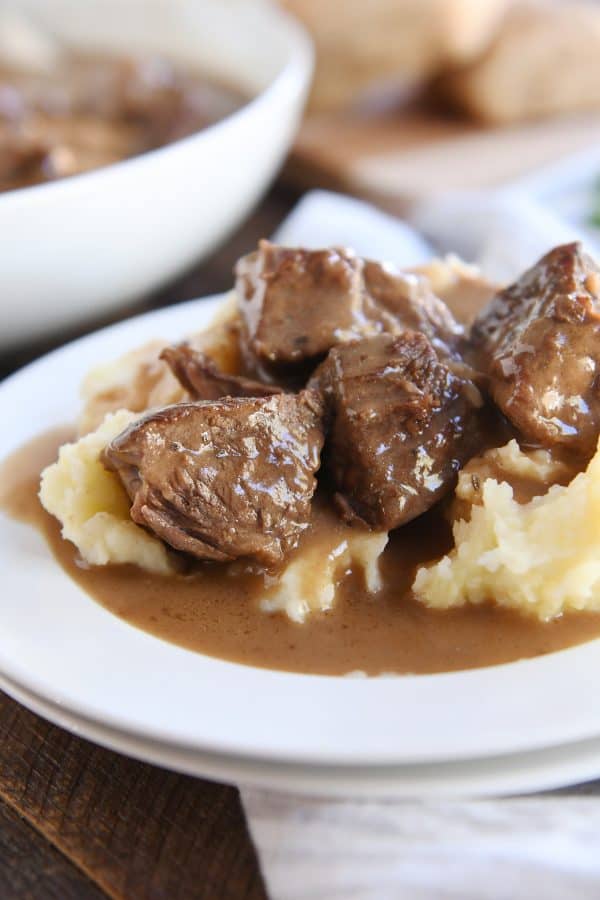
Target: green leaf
x: 594, y: 218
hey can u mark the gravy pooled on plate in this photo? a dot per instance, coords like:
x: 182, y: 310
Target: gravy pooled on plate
x: 360, y: 375
x: 210, y: 611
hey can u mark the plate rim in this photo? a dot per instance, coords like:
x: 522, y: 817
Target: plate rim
x: 523, y: 773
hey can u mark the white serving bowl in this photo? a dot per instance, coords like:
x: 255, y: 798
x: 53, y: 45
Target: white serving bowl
x: 76, y: 249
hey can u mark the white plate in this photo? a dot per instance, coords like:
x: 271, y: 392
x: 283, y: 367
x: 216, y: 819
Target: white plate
x: 61, y: 646
x: 511, y: 774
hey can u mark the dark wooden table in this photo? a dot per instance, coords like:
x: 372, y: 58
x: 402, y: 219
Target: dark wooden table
x: 78, y: 821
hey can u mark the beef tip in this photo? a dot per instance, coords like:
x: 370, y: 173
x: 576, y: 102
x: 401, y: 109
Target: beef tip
x: 296, y: 304
x: 401, y: 425
x: 203, y: 380
x: 224, y: 479
x: 539, y: 343
x: 404, y: 300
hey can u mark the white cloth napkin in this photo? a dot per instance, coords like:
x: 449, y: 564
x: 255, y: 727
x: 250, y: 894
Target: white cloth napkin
x: 312, y: 848
x: 543, y: 848
x: 503, y: 232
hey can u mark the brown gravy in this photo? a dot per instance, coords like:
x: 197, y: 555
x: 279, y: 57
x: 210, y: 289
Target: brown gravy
x: 214, y: 613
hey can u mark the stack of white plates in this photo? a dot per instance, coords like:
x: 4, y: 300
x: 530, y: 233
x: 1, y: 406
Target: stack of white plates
x: 525, y: 726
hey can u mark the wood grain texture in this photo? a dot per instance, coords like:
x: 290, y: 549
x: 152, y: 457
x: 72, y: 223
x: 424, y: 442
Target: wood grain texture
x: 400, y: 157
x: 106, y: 825
x: 136, y: 830
x: 31, y: 869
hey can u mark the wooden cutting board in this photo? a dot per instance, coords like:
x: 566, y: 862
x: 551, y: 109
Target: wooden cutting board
x: 396, y: 157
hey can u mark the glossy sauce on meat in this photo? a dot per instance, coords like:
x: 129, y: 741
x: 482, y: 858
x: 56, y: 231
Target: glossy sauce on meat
x: 210, y: 612
x: 224, y: 479
x: 409, y: 420
x: 537, y: 341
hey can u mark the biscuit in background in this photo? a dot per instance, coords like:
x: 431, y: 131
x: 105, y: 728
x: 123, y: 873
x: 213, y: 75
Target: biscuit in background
x: 544, y: 61
x: 401, y: 42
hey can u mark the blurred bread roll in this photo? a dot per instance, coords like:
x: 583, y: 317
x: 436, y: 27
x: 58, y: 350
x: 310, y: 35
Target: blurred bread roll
x: 544, y: 61
x: 361, y: 44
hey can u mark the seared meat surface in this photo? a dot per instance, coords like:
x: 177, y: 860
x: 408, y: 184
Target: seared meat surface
x: 401, y: 425
x: 404, y: 300
x: 203, y: 380
x: 296, y: 304
x: 224, y: 479
x: 232, y: 474
x: 539, y: 343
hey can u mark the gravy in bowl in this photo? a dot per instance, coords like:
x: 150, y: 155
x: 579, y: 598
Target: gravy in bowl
x: 91, y: 111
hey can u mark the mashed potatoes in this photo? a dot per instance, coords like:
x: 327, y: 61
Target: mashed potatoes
x: 310, y: 581
x: 529, y: 472
x: 140, y: 380
x: 93, y: 507
x: 539, y: 557
x: 517, y: 542
x: 461, y: 286
x: 137, y: 381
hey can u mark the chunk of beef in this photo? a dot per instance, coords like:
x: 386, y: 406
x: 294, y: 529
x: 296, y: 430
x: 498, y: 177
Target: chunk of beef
x: 224, y: 479
x: 296, y: 304
x: 404, y: 300
x: 203, y: 380
x: 539, y: 343
x: 401, y: 426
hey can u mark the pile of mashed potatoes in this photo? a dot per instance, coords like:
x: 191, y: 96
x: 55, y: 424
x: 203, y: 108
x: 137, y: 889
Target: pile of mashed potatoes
x: 540, y: 557
x: 309, y: 583
x: 93, y: 508
x: 140, y: 380
x: 518, y: 542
